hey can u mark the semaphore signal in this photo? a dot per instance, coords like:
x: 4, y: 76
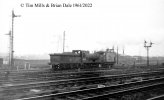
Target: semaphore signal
x: 147, y: 46
x: 11, y: 52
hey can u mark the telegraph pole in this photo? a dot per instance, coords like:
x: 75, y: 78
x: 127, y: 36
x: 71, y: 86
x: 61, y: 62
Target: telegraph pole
x: 147, y: 46
x: 63, y: 41
x: 117, y: 54
x: 123, y: 51
x: 12, y: 41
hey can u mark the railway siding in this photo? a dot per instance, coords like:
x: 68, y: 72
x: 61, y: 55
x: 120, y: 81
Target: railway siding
x: 95, y: 93
x: 59, y: 86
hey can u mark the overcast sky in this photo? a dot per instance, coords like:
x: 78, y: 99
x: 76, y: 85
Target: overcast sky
x: 122, y: 23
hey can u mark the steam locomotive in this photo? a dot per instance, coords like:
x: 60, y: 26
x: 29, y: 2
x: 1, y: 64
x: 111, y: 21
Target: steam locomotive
x: 80, y: 59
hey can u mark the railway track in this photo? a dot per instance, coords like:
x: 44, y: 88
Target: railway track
x: 50, y: 82
x: 160, y: 97
x: 98, y: 93
x: 121, y: 71
x: 50, y: 75
x: 43, y: 76
x: 60, y: 86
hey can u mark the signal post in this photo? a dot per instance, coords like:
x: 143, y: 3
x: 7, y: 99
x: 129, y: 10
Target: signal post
x: 147, y: 46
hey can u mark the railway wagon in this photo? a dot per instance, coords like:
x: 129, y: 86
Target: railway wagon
x: 82, y: 59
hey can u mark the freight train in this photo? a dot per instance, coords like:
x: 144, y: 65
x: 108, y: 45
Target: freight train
x: 81, y: 59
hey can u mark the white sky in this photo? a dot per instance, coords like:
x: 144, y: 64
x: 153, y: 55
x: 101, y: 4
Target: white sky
x: 126, y: 23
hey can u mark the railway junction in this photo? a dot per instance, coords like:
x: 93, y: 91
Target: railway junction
x: 111, y: 84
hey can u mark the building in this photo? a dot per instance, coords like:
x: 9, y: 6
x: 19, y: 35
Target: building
x: 1, y: 62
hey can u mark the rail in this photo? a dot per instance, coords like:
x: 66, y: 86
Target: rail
x: 160, y: 97
x: 99, y: 92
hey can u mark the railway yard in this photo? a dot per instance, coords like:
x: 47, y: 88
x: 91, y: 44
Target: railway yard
x: 133, y: 83
x: 82, y: 50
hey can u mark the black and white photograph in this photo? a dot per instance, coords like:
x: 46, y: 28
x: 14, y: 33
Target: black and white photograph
x: 81, y: 49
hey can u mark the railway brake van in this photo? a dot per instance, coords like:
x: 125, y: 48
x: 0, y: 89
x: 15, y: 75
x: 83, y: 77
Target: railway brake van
x: 82, y: 59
